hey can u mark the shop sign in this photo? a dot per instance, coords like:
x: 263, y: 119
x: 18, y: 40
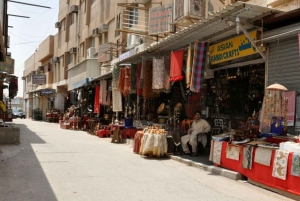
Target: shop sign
x: 233, y: 48
x: 160, y: 19
x: 39, y: 79
x: 47, y: 92
x: 126, y: 54
x: 8, y: 66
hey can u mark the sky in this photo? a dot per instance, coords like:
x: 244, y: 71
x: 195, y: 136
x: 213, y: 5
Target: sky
x: 28, y: 33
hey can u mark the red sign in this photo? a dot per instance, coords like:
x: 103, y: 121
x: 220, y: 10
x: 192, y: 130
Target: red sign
x: 96, y: 100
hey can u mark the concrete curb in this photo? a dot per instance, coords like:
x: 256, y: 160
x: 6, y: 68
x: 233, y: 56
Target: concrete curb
x: 210, y: 168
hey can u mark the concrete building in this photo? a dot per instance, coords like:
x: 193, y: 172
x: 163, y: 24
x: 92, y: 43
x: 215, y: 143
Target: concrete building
x: 93, y: 34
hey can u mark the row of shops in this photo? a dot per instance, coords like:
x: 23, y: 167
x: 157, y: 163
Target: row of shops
x: 206, y: 67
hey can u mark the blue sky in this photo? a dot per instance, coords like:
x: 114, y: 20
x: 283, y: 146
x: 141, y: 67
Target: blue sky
x: 28, y: 33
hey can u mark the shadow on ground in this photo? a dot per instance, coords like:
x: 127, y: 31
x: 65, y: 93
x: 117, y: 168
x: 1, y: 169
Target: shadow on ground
x: 21, y: 175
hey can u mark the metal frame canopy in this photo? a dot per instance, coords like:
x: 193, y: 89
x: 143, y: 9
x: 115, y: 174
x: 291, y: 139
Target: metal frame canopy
x: 214, y: 28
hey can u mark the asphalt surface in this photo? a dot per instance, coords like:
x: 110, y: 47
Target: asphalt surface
x: 55, y: 164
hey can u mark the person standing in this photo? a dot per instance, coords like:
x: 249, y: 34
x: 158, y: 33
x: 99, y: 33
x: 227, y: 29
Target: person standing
x: 199, y: 126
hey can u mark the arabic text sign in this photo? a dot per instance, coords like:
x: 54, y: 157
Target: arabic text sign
x: 233, y: 48
x: 160, y: 19
x: 39, y: 79
x: 47, y: 91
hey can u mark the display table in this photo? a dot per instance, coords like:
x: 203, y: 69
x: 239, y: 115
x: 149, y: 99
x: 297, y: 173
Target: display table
x: 117, y: 131
x: 130, y: 132
x: 261, y: 173
x: 137, y: 141
x: 153, y: 145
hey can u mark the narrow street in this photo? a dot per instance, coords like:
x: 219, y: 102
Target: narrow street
x: 55, y: 164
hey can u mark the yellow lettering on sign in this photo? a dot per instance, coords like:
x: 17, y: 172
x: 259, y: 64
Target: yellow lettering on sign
x: 3, y: 107
x: 234, y: 48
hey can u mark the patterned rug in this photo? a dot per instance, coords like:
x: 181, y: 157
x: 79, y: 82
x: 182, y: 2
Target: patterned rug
x: 296, y: 165
x: 217, y: 152
x: 233, y: 152
x: 280, y: 164
x: 247, y: 157
x: 263, y: 156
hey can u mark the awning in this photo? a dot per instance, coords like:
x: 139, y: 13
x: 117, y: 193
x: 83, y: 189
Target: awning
x: 80, y: 83
x: 216, y: 27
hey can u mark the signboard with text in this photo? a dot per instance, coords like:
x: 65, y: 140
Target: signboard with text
x: 160, y: 19
x: 47, y: 92
x: 39, y: 79
x: 233, y: 48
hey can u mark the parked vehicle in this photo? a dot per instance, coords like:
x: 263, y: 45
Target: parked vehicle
x: 18, y: 113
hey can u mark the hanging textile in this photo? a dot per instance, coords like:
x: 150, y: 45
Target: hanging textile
x: 176, y: 65
x: 167, y: 85
x: 138, y: 80
x: 133, y: 78
x: 291, y: 106
x: 295, y: 170
x: 233, y: 152
x: 126, y: 85
x: 247, y: 157
x: 263, y: 156
x: 105, y: 95
x: 147, y: 91
x: 116, y: 95
x: 158, y: 80
x: 194, y: 104
x: 217, y: 150
x: 144, y: 62
x: 198, y: 67
x: 188, y: 69
x: 121, y: 81
x: 96, y: 100
x: 272, y: 106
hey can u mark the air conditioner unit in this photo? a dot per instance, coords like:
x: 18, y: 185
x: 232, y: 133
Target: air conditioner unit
x: 57, y: 25
x: 133, y: 41
x: 103, y: 28
x: 141, y: 1
x: 91, y: 52
x: 73, y: 9
x: 73, y: 50
x: 95, y: 32
x: 41, y: 68
x: 141, y: 48
x: 189, y: 9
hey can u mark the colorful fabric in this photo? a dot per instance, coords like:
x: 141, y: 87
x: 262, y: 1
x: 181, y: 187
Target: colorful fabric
x: 126, y: 81
x: 97, y: 100
x: 116, y: 95
x: 233, y: 152
x: 105, y: 95
x: 188, y: 69
x: 217, y: 152
x: 194, y: 101
x: 121, y: 80
x: 263, y: 156
x: 247, y: 157
x: 158, y: 80
x: 147, y: 90
x: 280, y: 164
x: 198, y: 67
x: 176, y: 65
x: 133, y: 78
x: 167, y: 86
x: 296, y: 165
x: 138, y: 80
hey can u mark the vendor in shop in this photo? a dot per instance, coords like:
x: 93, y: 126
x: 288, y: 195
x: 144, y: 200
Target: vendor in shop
x: 199, y: 127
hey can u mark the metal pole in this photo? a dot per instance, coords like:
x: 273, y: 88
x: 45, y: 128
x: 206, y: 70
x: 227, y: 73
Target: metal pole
x: 28, y: 4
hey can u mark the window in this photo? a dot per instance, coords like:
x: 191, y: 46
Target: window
x: 133, y: 17
x: 70, y: 58
x: 107, y: 9
x: 92, y: 42
x: 63, y: 27
x: 83, y: 6
x: 59, y: 38
x: 61, y: 61
x: 102, y: 11
x: 92, y: 1
x: 118, y: 24
x: 81, y: 49
x: 72, y: 18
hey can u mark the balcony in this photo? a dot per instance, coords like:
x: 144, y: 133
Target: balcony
x: 46, y: 49
x: 274, y: 3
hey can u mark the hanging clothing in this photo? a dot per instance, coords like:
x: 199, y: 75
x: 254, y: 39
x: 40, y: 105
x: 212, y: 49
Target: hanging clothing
x: 133, y: 78
x: 126, y: 81
x: 105, y: 95
x: 197, y: 77
x: 188, y: 69
x: 79, y: 95
x: 121, y: 81
x: 158, y: 80
x: 176, y: 65
x: 116, y: 95
x: 167, y: 85
x: 138, y: 80
x: 147, y: 90
x: 96, y: 100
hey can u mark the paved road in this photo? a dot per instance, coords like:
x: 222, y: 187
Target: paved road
x: 54, y: 164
